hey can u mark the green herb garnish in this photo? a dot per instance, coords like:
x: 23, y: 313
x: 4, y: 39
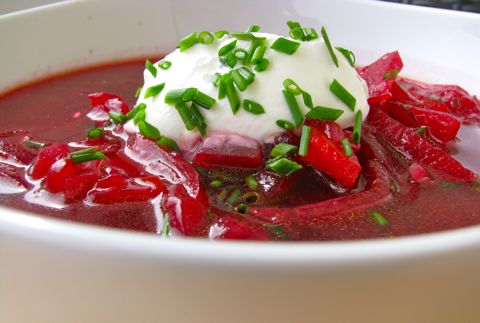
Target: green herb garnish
x: 346, y: 147
x: 154, y: 90
x: 253, y: 107
x: 304, y: 141
x: 294, y: 108
x: 205, y: 38
x: 164, y: 65
x: 148, y: 130
x: 357, y: 127
x: 283, y: 166
x: 169, y: 143
x: 324, y: 113
x: 349, y: 55
x: 188, y: 42
x: 390, y: 75
x: 329, y: 46
x: 151, y: 68
x: 251, y: 182
x: 85, y: 155
x: 342, y: 93
x: 285, y: 45
x: 284, y: 124
x: 379, y: 218
x: 282, y: 149
x: 277, y: 230
x: 95, y: 133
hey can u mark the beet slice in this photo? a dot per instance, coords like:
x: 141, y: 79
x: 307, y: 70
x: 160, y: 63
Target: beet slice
x: 295, y: 219
x: 169, y: 166
x: 228, y: 151
x: 108, y: 102
x: 410, y: 144
x: 46, y: 158
x: 233, y: 227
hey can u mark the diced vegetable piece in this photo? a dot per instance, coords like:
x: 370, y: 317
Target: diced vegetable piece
x: 237, y: 228
x: 46, y: 158
x: 228, y: 151
x: 327, y: 157
x: 77, y: 186
x: 417, y: 172
x: 108, y: 102
x: 57, y: 174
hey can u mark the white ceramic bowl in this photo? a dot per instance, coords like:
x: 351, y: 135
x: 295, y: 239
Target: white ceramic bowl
x: 55, y: 271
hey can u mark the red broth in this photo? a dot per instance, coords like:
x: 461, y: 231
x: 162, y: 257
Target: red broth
x: 54, y: 111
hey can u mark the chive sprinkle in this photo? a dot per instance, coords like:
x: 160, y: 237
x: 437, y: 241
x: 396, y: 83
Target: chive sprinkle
x: 253, y: 107
x: 188, y: 42
x: 329, y: 46
x: 171, y: 144
x: 198, y: 119
x: 33, y: 144
x: 185, y: 114
x: 216, y: 183
x: 296, y: 30
x: 342, y: 93
x: 420, y: 131
x: 205, y: 38
x: 324, y: 113
x: 232, y: 95
x: 164, y: 65
x: 247, y: 74
x: 240, y: 54
x: 285, y: 45
x: 230, y: 60
x: 233, y: 196
x: 204, y: 100
x: 132, y: 113
x: 347, y: 147
x: 227, y: 48
x: 283, y: 166
x: 216, y: 79
x: 241, y: 208
x: 262, y: 65
x: 282, y: 149
x: 251, y: 182
x: 154, y: 90
x: 222, y: 86
x: 219, y: 34
x: 284, y: 124
x: 148, y: 130
x: 85, y: 155
x: 151, y: 68
x: 139, y: 116
x: 292, y: 87
x: 253, y: 29
x: 349, y: 55
x: 277, y: 230
x: 180, y: 95
x: 253, y: 47
x: 139, y: 90
x: 95, y: 133
x: 304, y: 141
x: 307, y: 99
x: 166, y: 225
x: 245, y: 36
x: 390, y: 75
x: 258, y: 54
x: 117, y: 117
x: 310, y: 33
x: 294, y: 108
x: 378, y: 218
x: 357, y: 127
x: 239, y: 80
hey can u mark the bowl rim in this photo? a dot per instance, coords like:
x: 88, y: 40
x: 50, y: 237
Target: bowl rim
x: 235, y: 254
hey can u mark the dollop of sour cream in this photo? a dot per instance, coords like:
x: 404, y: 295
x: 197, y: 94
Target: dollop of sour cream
x: 311, y: 67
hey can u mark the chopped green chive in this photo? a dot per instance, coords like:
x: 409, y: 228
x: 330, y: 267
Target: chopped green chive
x: 239, y: 80
x: 232, y: 95
x: 329, y: 46
x: 216, y: 79
x: 205, y: 38
x: 166, y: 225
x: 296, y: 31
x: 324, y: 114
x: 151, y: 68
x: 139, y: 116
x: 216, y: 183
x: 253, y: 107
x: 148, y: 130
x: 307, y: 99
x: 222, y: 86
x: 247, y: 74
x: 357, y: 127
x: 251, y: 182
x: 253, y: 29
x: 449, y: 185
x: 240, y: 54
x: 241, y: 208
x: 117, y: 117
x: 285, y: 45
x: 251, y: 197
x: 245, y: 36
x: 95, y: 133
x: 33, y: 144
x: 347, y: 147
x: 349, y: 55
x: 219, y: 34
x: 169, y: 143
x: 283, y: 166
x: 139, y: 90
x: 253, y: 47
x: 222, y: 195
x: 227, y: 48
x: 277, y: 230
x: 204, y: 100
x: 188, y: 42
x: 85, y: 155
x: 185, y: 114
x: 132, y: 113
x: 230, y: 60
x: 390, y: 75
x: 258, y: 54
x: 180, y: 95
x: 343, y: 94
x: 198, y: 119
x: 310, y: 34
x: 420, y: 131
x: 304, y: 141
x: 294, y: 108
x: 378, y: 218
x: 233, y: 196
x: 154, y: 91
x: 284, y: 124
x: 282, y: 149
x: 292, y: 87
x: 164, y: 65
x: 262, y: 65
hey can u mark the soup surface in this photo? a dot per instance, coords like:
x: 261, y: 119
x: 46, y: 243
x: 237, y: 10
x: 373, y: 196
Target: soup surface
x: 408, y: 185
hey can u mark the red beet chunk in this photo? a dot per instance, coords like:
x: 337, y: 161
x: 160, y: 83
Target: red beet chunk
x: 228, y: 151
x: 57, y: 174
x: 273, y: 186
x: 237, y: 228
x: 417, y: 172
x: 408, y: 142
x: 327, y: 157
x: 108, y: 102
x: 187, y: 214
x: 169, y: 166
x: 76, y: 187
x: 456, y: 99
x: 46, y: 158
x: 380, y: 75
